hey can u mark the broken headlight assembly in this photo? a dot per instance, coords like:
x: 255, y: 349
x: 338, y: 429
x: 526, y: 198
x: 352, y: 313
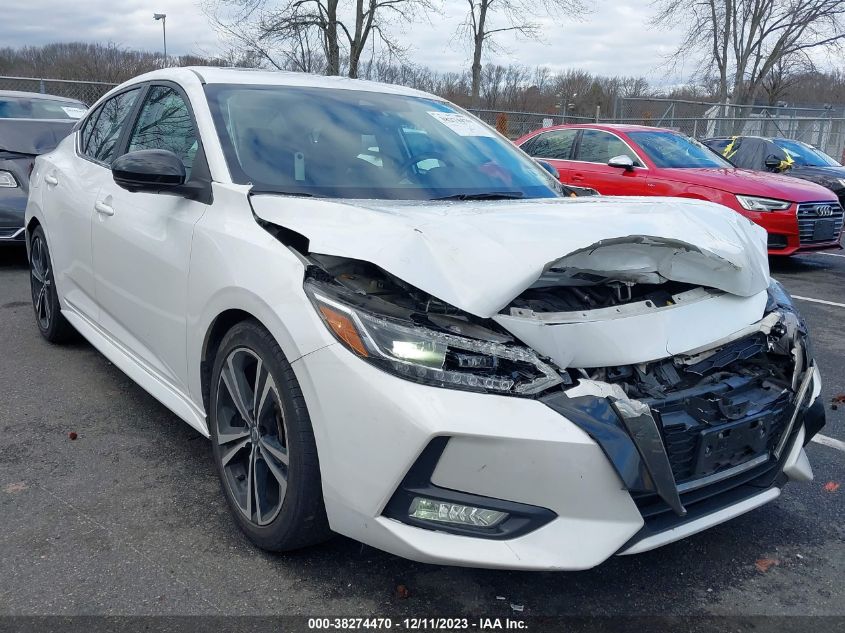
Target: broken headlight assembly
x: 413, y: 346
x: 777, y: 296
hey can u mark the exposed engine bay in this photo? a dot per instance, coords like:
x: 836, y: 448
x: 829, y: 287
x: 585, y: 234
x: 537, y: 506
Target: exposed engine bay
x: 601, y: 293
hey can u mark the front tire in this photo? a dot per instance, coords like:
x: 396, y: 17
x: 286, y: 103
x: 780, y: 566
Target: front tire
x: 45, y: 300
x: 263, y: 443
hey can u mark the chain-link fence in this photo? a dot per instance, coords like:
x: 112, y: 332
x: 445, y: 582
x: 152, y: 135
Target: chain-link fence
x: 662, y: 111
x: 516, y: 124
x: 822, y: 126
x: 86, y: 91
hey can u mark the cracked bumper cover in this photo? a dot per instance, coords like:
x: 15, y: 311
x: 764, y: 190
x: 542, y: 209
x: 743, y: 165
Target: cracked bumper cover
x: 520, y: 450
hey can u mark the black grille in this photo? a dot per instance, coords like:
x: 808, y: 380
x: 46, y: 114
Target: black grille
x: 811, y: 213
x: 652, y: 507
x: 681, y: 447
x: 682, y: 440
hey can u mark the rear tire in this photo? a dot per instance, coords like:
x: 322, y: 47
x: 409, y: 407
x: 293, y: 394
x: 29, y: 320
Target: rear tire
x: 263, y: 443
x: 45, y: 300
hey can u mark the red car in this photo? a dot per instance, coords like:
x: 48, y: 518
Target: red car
x: 636, y: 160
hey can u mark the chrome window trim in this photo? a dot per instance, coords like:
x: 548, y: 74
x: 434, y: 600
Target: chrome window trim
x: 644, y: 165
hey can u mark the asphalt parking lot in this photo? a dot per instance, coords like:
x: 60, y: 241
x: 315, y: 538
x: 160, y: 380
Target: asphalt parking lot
x: 129, y: 519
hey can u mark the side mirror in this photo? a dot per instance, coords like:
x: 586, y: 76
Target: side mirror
x: 152, y: 170
x: 549, y: 168
x: 772, y: 162
x: 622, y: 161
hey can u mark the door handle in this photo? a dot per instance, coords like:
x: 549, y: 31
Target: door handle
x: 578, y: 177
x: 51, y: 180
x: 103, y: 209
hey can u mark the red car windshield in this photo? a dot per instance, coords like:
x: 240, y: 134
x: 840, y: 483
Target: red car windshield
x: 671, y: 150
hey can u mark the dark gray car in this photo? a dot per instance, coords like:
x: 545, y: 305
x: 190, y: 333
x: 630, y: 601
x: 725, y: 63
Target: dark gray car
x: 782, y: 155
x: 30, y: 124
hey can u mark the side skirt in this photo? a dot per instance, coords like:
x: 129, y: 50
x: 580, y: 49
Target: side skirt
x: 151, y: 381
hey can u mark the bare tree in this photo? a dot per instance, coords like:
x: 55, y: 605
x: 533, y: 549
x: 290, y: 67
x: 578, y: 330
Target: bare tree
x: 327, y: 36
x: 745, y: 40
x: 785, y: 75
x: 488, y: 18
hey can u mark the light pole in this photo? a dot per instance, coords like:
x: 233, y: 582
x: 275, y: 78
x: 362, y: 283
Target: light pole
x: 163, y: 18
x: 567, y: 105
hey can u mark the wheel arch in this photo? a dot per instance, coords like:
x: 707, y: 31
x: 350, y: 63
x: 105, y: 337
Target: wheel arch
x: 221, y: 324
x: 33, y: 224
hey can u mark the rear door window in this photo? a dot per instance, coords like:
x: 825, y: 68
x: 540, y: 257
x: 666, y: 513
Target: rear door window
x: 555, y: 144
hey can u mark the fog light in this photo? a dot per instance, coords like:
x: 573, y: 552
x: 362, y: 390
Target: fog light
x: 445, y: 512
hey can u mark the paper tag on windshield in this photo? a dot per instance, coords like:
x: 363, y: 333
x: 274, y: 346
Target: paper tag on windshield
x: 462, y: 125
x: 74, y: 113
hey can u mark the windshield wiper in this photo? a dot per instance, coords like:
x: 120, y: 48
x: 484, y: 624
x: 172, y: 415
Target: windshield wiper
x: 488, y: 195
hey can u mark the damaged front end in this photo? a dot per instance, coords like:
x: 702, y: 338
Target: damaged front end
x: 678, y: 428
x: 683, y: 429
x: 415, y: 336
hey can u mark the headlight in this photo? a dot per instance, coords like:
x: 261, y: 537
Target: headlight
x: 422, y: 354
x: 7, y: 179
x: 753, y: 203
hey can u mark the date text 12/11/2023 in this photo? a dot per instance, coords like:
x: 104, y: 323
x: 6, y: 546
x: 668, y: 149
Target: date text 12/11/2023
x: 418, y: 624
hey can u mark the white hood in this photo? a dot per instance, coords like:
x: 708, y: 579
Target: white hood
x: 478, y: 256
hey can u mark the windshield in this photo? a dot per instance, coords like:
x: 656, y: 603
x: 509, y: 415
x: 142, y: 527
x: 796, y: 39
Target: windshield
x: 668, y: 149
x: 40, y: 108
x: 354, y: 144
x: 804, y: 155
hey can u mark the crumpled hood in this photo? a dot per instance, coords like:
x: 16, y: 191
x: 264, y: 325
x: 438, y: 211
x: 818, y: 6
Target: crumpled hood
x: 478, y: 256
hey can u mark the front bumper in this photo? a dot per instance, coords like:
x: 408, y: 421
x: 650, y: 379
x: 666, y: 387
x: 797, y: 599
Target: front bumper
x: 12, y: 211
x: 794, y: 230
x: 13, y: 235
x: 372, y: 428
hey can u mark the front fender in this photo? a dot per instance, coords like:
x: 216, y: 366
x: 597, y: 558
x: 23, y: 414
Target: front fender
x: 266, y: 283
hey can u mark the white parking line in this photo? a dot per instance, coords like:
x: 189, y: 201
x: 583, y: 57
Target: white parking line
x: 829, y: 441
x: 824, y: 301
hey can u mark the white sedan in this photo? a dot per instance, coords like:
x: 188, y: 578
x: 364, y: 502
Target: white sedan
x: 393, y: 324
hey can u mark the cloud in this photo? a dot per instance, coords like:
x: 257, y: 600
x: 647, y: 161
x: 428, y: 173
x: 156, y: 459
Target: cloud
x: 128, y: 23
x: 615, y: 40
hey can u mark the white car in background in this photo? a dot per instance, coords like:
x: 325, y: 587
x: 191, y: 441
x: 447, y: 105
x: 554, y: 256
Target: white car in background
x: 394, y: 325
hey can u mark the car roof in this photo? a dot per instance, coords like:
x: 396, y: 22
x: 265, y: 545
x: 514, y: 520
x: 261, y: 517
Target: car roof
x: 762, y: 138
x: 35, y: 95
x: 610, y: 127
x: 253, y: 76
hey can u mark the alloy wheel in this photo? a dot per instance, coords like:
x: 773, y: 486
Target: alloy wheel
x: 41, y: 278
x: 251, y: 436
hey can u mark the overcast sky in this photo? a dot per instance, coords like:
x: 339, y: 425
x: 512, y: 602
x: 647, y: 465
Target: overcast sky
x: 615, y: 40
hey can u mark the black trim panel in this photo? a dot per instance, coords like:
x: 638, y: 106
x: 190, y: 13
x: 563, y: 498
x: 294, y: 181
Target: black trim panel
x: 523, y: 518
